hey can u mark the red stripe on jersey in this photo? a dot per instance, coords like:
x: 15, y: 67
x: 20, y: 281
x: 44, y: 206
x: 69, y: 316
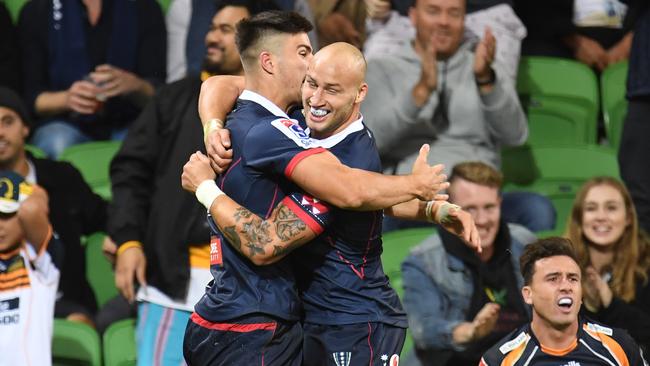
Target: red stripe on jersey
x: 232, y: 327
x: 299, y: 157
x: 314, y: 225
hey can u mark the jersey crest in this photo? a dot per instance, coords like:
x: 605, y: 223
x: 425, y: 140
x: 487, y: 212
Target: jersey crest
x: 291, y: 128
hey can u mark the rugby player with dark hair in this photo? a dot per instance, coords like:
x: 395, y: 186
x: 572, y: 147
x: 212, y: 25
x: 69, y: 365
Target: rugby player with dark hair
x: 251, y: 311
x: 557, y: 335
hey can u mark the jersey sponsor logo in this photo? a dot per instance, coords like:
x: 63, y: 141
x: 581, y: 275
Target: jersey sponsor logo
x: 9, y: 304
x: 600, y: 329
x: 510, y: 345
x: 292, y: 130
x: 216, y: 255
x: 9, y: 319
x: 313, y: 205
x: 572, y: 363
x: 342, y: 358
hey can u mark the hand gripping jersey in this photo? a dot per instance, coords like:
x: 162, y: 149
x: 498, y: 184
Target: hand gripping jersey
x: 28, y: 283
x: 340, y: 273
x: 266, y: 147
x: 595, y: 345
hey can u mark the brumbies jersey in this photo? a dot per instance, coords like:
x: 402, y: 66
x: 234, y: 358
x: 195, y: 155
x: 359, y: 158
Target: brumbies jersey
x: 28, y: 283
x: 595, y: 345
x: 340, y: 273
x: 266, y: 147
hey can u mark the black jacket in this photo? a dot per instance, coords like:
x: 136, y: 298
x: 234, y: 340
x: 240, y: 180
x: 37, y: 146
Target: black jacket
x: 74, y: 211
x: 149, y: 205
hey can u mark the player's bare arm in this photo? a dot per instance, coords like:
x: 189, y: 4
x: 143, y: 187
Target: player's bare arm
x: 217, y: 98
x: 261, y: 241
x: 361, y: 190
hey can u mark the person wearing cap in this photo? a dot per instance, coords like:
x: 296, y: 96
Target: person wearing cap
x: 28, y: 278
x: 74, y: 210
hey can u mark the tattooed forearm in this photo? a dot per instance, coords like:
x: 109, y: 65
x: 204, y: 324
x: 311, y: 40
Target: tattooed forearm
x: 263, y: 241
x: 287, y: 224
x: 231, y: 234
x: 242, y: 213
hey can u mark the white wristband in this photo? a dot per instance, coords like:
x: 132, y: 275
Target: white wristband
x: 207, y: 192
x: 427, y: 211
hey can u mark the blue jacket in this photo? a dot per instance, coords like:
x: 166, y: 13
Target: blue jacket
x: 438, y: 289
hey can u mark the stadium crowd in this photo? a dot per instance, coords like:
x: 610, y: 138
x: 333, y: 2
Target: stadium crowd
x: 491, y: 86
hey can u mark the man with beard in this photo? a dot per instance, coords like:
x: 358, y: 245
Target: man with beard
x: 160, y: 230
x: 557, y: 335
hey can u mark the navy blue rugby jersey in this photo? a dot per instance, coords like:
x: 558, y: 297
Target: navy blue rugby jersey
x: 595, y: 345
x: 340, y: 273
x: 266, y: 146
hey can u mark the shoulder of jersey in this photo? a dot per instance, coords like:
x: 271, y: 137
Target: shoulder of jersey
x: 599, y: 329
x: 291, y: 129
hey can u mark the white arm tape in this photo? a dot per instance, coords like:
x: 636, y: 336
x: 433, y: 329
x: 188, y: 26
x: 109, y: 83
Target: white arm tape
x: 207, y: 192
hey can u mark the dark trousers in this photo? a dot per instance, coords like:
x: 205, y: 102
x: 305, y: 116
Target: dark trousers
x: 633, y: 157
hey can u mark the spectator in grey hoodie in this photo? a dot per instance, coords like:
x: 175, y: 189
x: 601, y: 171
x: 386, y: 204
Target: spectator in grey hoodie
x: 442, y: 92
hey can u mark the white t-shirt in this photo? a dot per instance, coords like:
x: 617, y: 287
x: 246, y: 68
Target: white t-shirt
x: 599, y: 13
x: 28, y: 283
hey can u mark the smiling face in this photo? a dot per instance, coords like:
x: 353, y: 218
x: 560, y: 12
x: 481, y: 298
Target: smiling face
x: 604, y: 216
x: 554, y: 292
x: 483, y: 203
x: 440, y: 22
x: 333, y: 90
x: 13, y: 133
x: 221, y: 55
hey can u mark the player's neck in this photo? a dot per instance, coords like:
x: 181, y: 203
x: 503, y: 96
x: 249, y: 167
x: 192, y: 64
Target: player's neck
x: 551, y: 337
x: 270, y: 91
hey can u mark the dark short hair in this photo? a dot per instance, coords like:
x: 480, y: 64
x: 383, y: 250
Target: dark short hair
x: 250, y: 31
x: 543, y: 248
x: 11, y: 100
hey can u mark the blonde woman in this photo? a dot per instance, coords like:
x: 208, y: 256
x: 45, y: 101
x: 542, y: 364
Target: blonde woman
x: 614, y: 256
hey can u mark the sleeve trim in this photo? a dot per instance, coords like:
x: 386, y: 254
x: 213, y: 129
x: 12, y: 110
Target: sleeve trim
x: 288, y: 171
x: 312, y: 223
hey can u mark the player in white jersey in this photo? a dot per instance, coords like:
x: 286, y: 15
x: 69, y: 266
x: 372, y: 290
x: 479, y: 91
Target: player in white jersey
x: 28, y: 278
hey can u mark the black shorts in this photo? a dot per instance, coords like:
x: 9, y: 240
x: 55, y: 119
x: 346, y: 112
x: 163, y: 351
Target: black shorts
x: 250, y: 340
x: 352, y: 344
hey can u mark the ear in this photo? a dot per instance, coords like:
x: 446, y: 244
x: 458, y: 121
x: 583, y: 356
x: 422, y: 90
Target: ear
x: 267, y: 61
x: 527, y: 294
x: 361, y: 94
x: 25, y: 131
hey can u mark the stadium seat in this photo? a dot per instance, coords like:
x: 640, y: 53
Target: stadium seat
x: 560, y: 97
x: 38, y: 153
x: 14, y: 7
x: 556, y: 172
x: 397, y: 245
x: 612, y: 88
x: 119, y: 344
x: 75, y: 344
x: 99, y: 271
x: 93, y: 160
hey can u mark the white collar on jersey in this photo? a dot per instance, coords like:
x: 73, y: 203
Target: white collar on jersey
x: 333, y: 140
x: 264, y: 102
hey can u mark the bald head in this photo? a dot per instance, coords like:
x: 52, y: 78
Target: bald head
x: 345, y: 58
x: 334, y: 89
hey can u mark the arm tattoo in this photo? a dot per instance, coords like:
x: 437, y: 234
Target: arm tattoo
x: 231, y: 234
x: 256, y: 234
x: 287, y: 224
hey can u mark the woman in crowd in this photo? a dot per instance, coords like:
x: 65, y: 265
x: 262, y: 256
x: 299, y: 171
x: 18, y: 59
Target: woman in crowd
x: 614, y: 256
